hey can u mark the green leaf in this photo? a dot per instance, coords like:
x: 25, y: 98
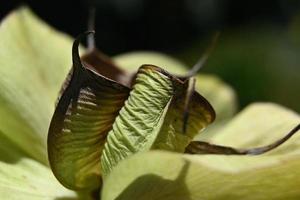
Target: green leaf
x: 162, y: 175
x: 82, y: 119
x: 34, y: 61
x: 152, y: 117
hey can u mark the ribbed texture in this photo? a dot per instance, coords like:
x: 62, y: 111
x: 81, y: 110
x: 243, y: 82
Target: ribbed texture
x: 138, y: 124
x: 76, y: 148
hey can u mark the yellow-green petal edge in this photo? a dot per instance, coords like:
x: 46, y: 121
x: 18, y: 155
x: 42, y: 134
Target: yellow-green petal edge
x: 34, y: 60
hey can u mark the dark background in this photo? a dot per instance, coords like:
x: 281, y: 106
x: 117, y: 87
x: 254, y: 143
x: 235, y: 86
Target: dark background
x: 258, y: 52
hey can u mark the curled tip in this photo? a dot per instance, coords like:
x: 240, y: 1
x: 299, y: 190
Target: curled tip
x: 75, y: 48
x: 82, y: 35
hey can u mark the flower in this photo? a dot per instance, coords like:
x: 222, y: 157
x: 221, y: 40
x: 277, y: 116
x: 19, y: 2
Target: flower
x: 34, y: 62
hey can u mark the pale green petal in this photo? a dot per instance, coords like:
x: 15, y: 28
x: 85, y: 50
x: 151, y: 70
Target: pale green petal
x: 28, y: 179
x: 260, y: 124
x: 220, y: 95
x: 162, y: 175
x: 133, y: 60
x: 9, y: 152
x: 23, y: 178
x: 34, y: 60
x: 223, y: 99
x: 167, y: 176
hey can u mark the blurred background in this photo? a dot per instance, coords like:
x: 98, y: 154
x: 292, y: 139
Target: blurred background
x: 258, y: 52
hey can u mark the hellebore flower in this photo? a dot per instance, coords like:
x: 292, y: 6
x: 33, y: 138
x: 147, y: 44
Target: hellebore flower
x: 35, y: 60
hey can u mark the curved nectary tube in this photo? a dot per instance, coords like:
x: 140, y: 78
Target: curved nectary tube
x: 83, y: 117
